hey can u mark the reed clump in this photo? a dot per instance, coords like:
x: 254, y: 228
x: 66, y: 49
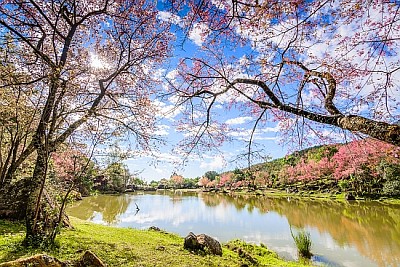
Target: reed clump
x: 303, y: 243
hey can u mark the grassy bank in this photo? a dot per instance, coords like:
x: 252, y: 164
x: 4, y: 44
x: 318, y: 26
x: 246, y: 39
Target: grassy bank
x: 132, y: 247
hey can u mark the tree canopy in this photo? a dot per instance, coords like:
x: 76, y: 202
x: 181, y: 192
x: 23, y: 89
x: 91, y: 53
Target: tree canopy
x: 316, y: 67
x: 86, y: 66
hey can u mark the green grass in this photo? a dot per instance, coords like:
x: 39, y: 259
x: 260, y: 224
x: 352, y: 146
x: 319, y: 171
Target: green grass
x: 132, y: 247
x: 303, y: 243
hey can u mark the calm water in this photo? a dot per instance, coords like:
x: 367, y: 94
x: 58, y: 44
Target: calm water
x: 343, y: 234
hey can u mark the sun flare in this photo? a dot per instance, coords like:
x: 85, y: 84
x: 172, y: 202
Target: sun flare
x: 96, y: 62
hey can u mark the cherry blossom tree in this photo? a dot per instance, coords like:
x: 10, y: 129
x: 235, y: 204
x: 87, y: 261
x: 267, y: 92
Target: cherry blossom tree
x: 315, y: 67
x: 89, y: 63
x: 176, y: 180
x: 203, y: 181
x: 359, y: 166
x: 226, y: 179
x: 17, y: 117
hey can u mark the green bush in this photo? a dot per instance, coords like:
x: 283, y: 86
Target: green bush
x: 391, y: 174
x: 391, y: 188
x: 344, y: 185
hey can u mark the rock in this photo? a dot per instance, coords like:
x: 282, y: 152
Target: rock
x: 40, y: 260
x: 202, y: 242
x: 191, y: 242
x: 349, y: 196
x: 89, y: 259
x: 161, y: 248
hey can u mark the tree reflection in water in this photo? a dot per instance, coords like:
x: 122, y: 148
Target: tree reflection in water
x: 109, y: 206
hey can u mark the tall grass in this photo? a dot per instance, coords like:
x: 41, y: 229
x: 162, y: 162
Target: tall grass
x: 303, y: 243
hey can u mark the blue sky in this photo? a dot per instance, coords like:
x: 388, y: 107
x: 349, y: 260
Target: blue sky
x: 165, y: 162
x: 220, y: 159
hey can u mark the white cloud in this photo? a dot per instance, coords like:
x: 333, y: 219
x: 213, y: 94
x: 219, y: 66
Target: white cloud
x: 259, y: 134
x: 158, y: 74
x: 162, y: 130
x: 217, y: 163
x: 271, y: 129
x: 199, y: 33
x: 238, y: 120
x: 172, y: 74
x: 167, y: 111
x: 169, y: 17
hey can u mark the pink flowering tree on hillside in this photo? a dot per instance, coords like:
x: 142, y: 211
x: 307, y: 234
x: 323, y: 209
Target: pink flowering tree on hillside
x: 355, y: 165
x: 368, y: 153
x: 225, y: 180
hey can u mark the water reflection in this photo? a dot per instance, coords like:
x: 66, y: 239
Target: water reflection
x: 345, y: 234
x: 107, y: 206
x: 373, y: 228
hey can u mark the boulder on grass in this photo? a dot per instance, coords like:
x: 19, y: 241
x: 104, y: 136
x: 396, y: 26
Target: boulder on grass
x: 349, y: 197
x: 202, y: 242
x: 89, y: 259
x: 40, y: 260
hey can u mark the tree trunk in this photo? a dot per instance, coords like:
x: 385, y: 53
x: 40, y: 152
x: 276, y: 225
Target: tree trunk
x: 383, y: 131
x: 36, y: 231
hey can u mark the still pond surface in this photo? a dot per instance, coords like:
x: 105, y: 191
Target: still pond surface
x: 343, y: 234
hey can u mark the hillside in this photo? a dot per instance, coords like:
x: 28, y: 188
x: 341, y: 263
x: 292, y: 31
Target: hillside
x: 364, y: 168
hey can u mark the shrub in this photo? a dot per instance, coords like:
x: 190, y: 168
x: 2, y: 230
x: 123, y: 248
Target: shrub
x: 391, y: 188
x: 391, y: 173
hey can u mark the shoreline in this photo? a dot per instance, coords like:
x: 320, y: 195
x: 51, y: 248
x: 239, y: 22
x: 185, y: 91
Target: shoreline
x: 281, y: 193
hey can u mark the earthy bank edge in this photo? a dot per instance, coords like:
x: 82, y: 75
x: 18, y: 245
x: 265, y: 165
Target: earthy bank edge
x: 283, y: 193
x: 133, y: 247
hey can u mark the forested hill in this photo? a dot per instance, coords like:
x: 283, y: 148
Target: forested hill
x: 364, y: 167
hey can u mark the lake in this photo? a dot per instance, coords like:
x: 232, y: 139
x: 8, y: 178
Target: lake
x: 358, y: 233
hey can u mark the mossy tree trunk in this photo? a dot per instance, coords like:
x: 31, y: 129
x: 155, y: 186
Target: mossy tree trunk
x: 36, y: 223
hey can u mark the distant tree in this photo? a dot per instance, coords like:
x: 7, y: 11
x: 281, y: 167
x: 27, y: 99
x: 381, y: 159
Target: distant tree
x: 211, y: 184
x: 163, y: 183
x: 153, y: 184
x: 211, y: 175
x: 391, y: 174
x: 190, y: 182
x: 226, y: 179
x: 203, y: 181
x: 118, y: 175
x: 137, y: 181
x: 238, y: 175
x: 176, y: 180
x: 72, y: 167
